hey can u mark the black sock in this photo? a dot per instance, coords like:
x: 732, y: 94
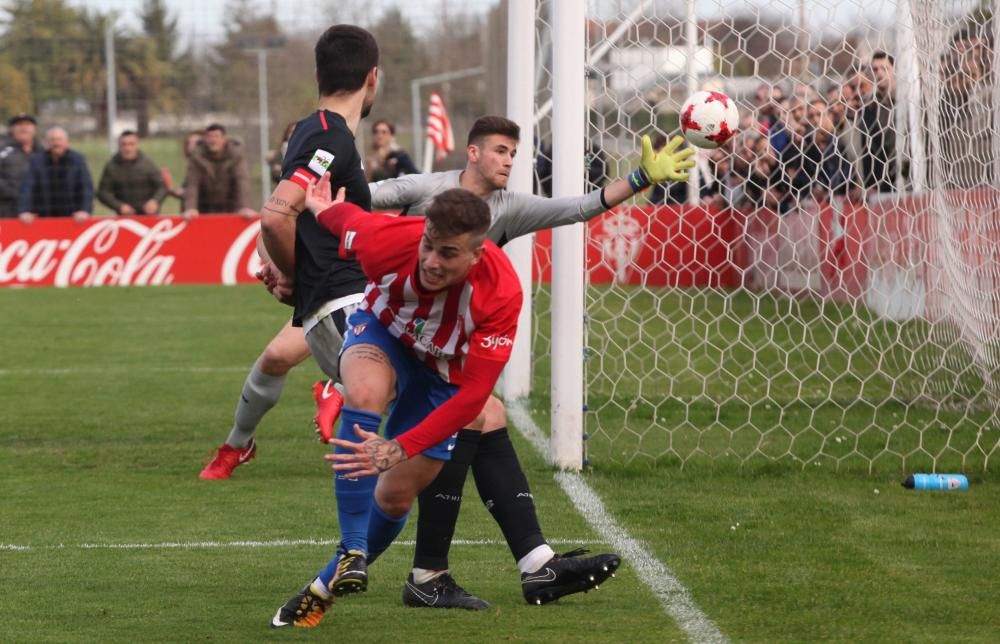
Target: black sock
x: 504, y: 489
x: 440, y: 503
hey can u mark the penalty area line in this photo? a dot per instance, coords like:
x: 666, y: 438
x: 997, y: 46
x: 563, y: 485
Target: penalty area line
x: 674, y: 597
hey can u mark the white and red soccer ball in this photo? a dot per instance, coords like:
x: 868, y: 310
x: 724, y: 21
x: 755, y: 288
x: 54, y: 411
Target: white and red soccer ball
x: 709, y: 119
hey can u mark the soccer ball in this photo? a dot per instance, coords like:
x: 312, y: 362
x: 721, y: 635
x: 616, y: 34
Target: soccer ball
x: 709, y: 119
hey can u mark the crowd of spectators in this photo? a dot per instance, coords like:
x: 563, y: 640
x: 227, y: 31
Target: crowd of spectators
x: 797, y: 144
x: 50, y: 179
x: 808, y: 144
x: 840, y: 140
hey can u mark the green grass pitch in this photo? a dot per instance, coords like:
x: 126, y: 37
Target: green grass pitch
x: 110, y: 400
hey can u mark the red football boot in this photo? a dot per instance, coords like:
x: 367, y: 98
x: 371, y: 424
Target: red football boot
x: 228, y: 459
x: 328, y: 404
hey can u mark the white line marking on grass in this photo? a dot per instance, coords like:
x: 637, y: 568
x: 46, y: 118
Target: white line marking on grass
x: 674, y: 597
x: 70, y: 371
x: 275, y: 543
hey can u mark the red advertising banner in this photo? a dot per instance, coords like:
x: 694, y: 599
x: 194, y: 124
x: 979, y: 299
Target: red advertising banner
x: 676, y: 246
x: 128, y: 251
x: 650, y: 246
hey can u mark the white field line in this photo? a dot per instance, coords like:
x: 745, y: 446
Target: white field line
x: 98, y: 370
x: 275, y: 543
x: 674, y: 597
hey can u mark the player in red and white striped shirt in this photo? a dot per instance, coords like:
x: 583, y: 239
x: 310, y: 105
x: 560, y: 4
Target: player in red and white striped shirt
x: 428, y: 345
x: 442, y: 291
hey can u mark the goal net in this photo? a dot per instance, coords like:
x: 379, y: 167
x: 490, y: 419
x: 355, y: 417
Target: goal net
x: 825, y: 291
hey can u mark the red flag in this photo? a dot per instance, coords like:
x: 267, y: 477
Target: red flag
x: 439, y: 128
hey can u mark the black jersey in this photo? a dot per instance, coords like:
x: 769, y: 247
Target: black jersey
x: 322, y: 143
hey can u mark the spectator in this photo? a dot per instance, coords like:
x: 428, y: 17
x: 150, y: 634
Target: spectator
x: 387, y: 160
x: 218, y: 180
x: 827, y: 168
x: 190, y: 142
x: 15, y: 157
x: 767, y: 101
x: 131, y: 183
x: 966, y: 112
x: 765, y: 186
x: 596, y: 168
x: 57, y: 183
x: 275, y: 159
x: 876, y: 122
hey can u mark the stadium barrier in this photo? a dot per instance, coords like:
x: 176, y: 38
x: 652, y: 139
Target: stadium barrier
x: 678, y: 247
x: 675, y: 246
x: 839, y: 251
x: 128, y: 251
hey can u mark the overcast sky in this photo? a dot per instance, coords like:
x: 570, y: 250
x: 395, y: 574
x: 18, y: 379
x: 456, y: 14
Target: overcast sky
x: 203, y: 18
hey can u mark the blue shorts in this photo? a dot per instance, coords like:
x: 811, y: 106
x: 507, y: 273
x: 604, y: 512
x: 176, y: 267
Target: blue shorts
x: 419, y: 391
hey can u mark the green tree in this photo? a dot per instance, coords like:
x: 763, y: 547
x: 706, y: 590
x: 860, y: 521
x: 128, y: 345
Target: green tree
x: 16, y: 95
x: 151, y: 67
x: 161, y: 28
x: 42, y: 40
x: 401, y: 57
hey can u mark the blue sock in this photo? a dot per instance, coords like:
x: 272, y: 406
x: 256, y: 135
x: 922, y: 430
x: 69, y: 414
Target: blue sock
x: 354, y: 497
x: 382, y: 531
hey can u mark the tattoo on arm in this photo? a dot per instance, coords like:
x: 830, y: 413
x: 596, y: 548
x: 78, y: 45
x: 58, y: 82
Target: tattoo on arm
x: 384, y: 454
x: 281, y: 207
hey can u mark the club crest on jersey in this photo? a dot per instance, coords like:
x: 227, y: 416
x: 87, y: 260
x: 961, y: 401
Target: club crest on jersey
x: 415, y: 327
x: 359, y: 329
x: 321, y: 162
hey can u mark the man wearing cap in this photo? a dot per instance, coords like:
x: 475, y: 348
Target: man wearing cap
x: 15, y: 156
x: 58, y: 182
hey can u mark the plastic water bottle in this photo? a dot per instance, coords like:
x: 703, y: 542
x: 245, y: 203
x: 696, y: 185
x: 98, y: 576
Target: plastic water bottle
x: 936, y: 482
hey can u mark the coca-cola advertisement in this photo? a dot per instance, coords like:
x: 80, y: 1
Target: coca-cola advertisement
x: 128, y: 251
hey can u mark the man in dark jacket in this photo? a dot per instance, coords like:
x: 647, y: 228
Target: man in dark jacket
x: 15, y: 157
x: 878, y: 132
x: 218, y: 180
x: 131, y: 183
x: 58, y: 183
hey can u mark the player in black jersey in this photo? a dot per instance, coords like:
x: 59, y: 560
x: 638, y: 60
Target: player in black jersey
x: 297, y: 252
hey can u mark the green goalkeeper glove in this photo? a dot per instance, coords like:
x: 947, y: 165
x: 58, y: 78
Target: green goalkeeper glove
x: 670, y: 164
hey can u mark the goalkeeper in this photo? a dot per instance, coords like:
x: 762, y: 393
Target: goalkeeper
x: 492, y: 146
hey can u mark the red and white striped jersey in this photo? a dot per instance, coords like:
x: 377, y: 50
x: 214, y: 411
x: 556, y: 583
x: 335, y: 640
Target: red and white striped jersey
x: 475, y: 317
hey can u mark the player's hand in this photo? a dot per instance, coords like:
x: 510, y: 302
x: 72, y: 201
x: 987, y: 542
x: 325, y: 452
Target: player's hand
x: 277, y: 284
x: 368, y: 458
x: 319, y: 196
x: 669, y: 164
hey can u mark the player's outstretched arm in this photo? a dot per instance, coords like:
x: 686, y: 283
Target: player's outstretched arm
x: 529, y: 213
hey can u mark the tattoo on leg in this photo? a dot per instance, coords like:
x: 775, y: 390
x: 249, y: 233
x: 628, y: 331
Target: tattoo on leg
x: 369, y: 353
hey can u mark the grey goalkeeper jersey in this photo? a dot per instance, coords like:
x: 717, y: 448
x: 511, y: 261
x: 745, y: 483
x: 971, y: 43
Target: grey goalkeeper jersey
x: 514, y: 213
